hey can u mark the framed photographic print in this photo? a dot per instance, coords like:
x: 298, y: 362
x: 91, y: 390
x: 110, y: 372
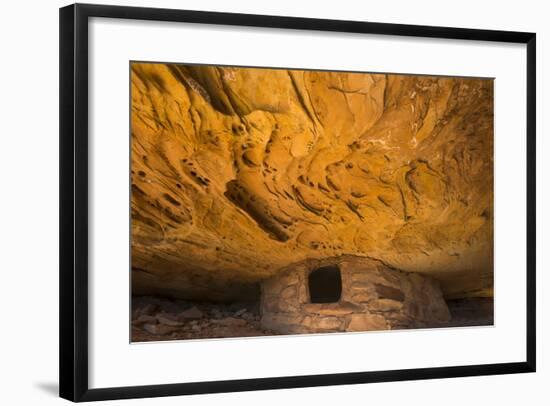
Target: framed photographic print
x: 256, y: 202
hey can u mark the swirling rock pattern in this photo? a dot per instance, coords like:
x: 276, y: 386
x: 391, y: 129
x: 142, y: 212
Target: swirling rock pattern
x: 239, y: 172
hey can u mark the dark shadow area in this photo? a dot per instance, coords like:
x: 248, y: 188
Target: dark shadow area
x: 471, y: 312
x: 51, y: 388
x: 325, y: 285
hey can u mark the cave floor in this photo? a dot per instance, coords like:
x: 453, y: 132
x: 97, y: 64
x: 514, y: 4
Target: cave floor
x: 180, y: 320
x: 160, y: 319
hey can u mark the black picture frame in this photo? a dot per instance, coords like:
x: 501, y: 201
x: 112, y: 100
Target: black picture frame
x: 73, y: 252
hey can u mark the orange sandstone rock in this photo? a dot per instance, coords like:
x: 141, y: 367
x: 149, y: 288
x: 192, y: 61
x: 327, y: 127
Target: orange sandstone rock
x: 238, y: 173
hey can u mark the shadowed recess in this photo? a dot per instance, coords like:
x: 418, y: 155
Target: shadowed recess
x: 325, y: 285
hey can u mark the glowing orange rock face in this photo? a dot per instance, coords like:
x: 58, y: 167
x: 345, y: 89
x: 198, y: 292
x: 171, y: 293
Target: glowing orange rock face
x: 238, y: 173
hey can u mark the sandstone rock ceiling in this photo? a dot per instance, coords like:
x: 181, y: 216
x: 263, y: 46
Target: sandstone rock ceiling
x: 239, y: 172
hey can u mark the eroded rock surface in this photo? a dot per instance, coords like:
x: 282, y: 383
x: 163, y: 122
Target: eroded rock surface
x: 238, y: 173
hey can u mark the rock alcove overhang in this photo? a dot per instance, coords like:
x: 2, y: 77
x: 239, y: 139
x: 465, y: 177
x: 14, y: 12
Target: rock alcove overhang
x: 239, y: 173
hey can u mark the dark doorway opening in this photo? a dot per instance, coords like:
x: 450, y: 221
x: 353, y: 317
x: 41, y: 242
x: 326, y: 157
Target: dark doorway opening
x: 325, y: 285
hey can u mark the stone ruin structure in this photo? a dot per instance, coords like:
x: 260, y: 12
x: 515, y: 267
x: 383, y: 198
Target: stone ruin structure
x: 349, y: 294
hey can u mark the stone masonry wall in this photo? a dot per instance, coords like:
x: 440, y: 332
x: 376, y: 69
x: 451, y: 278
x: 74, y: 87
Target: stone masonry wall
x: 374, y: 297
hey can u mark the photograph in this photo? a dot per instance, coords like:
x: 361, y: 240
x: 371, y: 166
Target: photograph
x: 275, y: 201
